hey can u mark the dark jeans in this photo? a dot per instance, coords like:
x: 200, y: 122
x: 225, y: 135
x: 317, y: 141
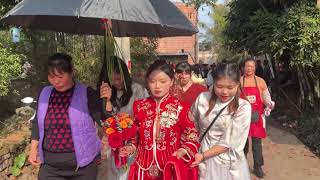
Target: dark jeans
x: 256, y: 151
x: 48, y: 172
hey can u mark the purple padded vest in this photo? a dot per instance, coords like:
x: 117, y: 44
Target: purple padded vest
x: 85, y: 139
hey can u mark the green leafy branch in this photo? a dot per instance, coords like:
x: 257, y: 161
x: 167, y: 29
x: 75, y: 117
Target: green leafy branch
x: 18, y: 164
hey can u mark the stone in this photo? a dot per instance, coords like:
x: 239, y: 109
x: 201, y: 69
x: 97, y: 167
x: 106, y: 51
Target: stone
x: 26, y: 111
x: 4, y: 150
x: 3, y: 176
x: 4, y: 158
x: 5, y: 166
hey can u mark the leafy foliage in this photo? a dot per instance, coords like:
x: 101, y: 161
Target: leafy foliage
x: 10, y: 68
x: 87, y: 55
x: 198, y: 3
x: 143, y: 53
x: 288, y: 30
x: 299, y: 35
x: 268, y: 26
x: 18, y: 164
x: 238, y: 28
x: 6, y: 5
x: 218, y: 37
x: 306, y: 128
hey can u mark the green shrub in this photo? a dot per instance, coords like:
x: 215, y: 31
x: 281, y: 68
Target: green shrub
x: 18, y: 164
x: 10, y: 68
x: 309, y: 131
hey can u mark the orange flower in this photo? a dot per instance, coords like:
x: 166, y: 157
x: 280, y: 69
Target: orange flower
x: 128, y: 120
x: 110, y: 131
x: 110, y: 120
x: 123, y: 124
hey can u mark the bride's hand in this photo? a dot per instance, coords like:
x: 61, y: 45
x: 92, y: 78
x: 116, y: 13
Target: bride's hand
x: 180, y: 153
x: 198, y: 158
x: 126, y: 150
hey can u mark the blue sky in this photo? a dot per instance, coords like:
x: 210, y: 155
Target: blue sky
x: 203, y: 13
x: 204, y: 16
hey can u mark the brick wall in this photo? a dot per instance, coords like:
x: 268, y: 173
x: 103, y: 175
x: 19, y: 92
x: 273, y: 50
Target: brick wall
x: 175, y: 44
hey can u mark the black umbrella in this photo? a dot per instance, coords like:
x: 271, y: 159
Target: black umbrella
x: 130, y: 18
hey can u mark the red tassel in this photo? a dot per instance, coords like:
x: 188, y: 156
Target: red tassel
x: 123, y: 161
x: 119, y: 161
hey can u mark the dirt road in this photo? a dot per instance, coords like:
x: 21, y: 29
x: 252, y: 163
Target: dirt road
x: 286, y: 158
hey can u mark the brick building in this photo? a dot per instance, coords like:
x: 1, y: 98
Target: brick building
x: 179, y: 48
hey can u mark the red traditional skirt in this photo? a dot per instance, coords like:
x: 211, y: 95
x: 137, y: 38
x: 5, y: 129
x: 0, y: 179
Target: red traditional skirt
x: 136, y: 173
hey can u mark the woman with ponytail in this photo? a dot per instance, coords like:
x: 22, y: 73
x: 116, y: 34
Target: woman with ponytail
x: 119, y: 92
x: 223, y: 120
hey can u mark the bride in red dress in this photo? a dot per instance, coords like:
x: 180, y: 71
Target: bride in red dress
x: 164, y: 127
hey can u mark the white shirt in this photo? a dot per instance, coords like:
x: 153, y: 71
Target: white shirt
x: 229, y: 130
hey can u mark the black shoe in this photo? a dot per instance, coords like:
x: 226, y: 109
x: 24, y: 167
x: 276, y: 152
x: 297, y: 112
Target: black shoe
x: 258, y: 172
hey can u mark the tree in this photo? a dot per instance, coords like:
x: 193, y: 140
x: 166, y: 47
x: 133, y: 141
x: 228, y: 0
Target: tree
x: 10, y: 68
x: 218, y: 37
x: 299, y: 35
x: 6, y: 5
x: 288, y: 31
x: 143, y: 53
x: 197, y: 4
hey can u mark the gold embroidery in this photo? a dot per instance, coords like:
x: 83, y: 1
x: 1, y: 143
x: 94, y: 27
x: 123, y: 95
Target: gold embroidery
x: 190, y: 134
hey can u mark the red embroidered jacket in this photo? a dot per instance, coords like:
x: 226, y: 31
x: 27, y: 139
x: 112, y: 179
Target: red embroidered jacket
x: 175, y: 128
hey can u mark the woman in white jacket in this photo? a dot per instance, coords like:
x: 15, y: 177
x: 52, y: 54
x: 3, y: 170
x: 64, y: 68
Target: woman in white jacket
x: 222, y: 143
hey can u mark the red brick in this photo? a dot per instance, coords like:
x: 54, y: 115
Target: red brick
x: 175, y: 44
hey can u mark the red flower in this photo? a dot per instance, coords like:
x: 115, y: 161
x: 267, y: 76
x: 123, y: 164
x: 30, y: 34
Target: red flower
x: 116, y: 140
x: 129, y: 133
x: 104, y: 20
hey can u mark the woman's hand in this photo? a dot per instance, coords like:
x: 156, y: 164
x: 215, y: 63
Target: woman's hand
x: 180, y: 153
x: 126, y: 150
x: 198, y: 158
x: 105, y: 91
x: 33, y: 160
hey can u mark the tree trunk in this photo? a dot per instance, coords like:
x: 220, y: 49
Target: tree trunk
x: 302, y: 94
x: 316, y: 84
x: 318, y: 4
x: 276, y: 85
x: 308, y: 87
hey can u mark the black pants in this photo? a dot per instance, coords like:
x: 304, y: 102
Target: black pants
x: 256, y: 151
x: 48, y: 172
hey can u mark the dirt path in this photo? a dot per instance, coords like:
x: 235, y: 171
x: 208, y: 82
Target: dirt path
x: 286, y: 158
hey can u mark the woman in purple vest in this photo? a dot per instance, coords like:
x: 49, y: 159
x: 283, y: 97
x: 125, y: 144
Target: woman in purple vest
x: 64, y: 132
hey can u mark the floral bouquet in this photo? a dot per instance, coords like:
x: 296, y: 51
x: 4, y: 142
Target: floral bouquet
x: 119, y: 129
